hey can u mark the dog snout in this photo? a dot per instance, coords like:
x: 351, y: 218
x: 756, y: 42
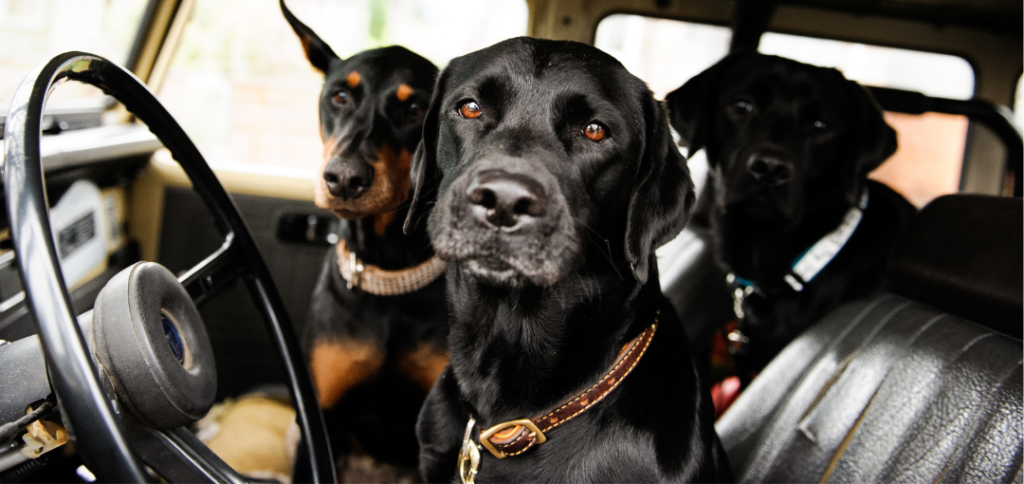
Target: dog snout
x: 348, y: 179
x: 770, y: 170
x: 506, y: 201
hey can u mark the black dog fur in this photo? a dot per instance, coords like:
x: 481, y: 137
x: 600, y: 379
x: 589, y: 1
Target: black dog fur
x: 372, y: 358
x: 790, y: 147
x: 553, y: 272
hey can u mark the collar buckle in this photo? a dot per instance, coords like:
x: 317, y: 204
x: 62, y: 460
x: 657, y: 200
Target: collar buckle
x: 513, y: 428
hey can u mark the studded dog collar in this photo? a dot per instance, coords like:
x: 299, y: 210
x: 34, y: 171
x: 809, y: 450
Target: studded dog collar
x: 514, y: 437
x: 381, y: 282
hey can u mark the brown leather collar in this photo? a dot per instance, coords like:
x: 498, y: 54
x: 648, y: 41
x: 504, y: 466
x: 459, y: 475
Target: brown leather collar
x: 382, y: 282
x: 517, y: 436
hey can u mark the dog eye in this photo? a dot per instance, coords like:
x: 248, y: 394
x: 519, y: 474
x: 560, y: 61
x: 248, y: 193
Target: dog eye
x: 415, y: 109
x: 820, y: 125
x: 595, y: 132
x: 340, y: 97
x: 741, y: 108
x: 470, y: 109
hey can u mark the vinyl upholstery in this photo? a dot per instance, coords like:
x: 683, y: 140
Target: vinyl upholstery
x: 887, y: 389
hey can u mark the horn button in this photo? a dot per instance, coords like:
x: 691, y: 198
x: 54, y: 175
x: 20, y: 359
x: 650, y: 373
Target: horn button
x: 152, y: 347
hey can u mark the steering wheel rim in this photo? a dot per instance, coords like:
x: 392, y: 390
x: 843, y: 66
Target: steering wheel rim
x: 74, y: 377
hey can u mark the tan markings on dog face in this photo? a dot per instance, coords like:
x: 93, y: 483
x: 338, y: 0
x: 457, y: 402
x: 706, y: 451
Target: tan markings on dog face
x: 353, y: 79
x: 381, y: 222
x: 330, y: 148
x: 403, y: 92
x: 337, y: 366
x: 423, y: 365
x: 389, y: 190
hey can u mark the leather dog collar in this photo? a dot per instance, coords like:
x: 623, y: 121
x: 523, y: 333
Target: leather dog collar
x: 517, y: 436
x: 381, y: 282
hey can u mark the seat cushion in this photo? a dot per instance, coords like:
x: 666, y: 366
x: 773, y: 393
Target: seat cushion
x: 884, y: 389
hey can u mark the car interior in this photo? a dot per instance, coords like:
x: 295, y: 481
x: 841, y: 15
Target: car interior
x: 184, y: 132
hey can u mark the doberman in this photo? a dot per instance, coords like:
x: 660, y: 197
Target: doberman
x: 376, y: 334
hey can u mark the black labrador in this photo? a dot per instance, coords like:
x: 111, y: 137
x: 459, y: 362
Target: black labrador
x: 794, y: 218
x: 376, y: 333
x: 552, y: 177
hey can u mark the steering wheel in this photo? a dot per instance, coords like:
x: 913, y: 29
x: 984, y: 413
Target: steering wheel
x: 112, y: 441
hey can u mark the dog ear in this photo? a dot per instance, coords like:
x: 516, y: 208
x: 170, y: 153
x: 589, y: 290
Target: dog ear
x: 663, y: 195
x: 317, y: 51
x: 690, y: 106
x: 689, y: 111
x: 426, y: 178
x: 870, y: 142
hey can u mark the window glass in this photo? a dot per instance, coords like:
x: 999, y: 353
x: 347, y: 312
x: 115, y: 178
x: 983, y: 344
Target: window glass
x: 930, y: 156
x: 33, y: 31
x: 937, y: 75
x: 242, y: 88
x: 665, y: 53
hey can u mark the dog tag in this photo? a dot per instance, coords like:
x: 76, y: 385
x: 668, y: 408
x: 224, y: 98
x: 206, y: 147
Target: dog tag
x: 469, y: 455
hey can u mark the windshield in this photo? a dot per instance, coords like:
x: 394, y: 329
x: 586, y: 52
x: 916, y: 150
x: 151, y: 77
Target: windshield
x: 33, y: 31
x: 243, y: 90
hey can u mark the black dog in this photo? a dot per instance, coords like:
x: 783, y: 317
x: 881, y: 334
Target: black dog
x: 377, y: 326
x: 553, y: 177
x: 790, y: 147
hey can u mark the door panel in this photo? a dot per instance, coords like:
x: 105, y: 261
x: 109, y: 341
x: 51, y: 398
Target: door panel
x: 244, y: 356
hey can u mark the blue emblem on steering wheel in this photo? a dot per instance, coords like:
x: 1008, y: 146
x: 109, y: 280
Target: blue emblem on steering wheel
x: 173, y: 338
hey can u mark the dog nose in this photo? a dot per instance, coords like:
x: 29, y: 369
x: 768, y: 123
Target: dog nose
x: 770, y: 170
x: 348, y: 179
x: 506, y: 200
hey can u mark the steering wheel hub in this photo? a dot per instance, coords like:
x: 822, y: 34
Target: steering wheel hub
x: 152, y: 347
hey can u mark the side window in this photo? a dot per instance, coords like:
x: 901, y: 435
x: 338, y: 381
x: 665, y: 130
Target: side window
x: 242, y: 88
x: 665, y: 53
x: 931, y: 146
x: 32, y: 31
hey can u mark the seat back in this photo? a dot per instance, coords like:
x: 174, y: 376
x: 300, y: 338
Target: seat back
x: 964, y: 253
x: 891, y: 388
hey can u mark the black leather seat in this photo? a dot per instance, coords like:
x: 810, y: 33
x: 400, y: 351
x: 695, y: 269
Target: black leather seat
x: 896, y: 388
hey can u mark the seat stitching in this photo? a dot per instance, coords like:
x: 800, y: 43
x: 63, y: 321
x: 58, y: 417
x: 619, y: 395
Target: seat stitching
x: 846, y: 440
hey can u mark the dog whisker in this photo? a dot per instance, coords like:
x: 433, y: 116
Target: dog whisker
x: 605, y: 248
